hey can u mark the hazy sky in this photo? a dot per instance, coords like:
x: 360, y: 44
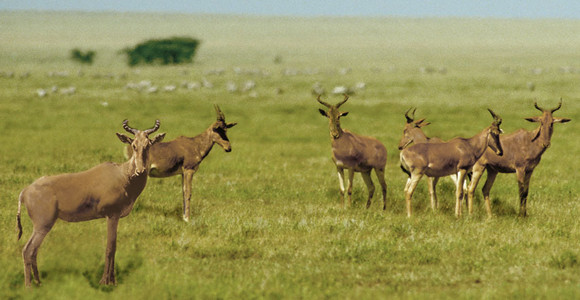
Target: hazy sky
x: 569, y: 9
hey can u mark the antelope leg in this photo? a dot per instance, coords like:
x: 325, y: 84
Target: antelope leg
x: 350, y: 182
x: 370, y: 186
x: 109, y: 272
x: 340, y: 172
x: 459, y: 192
x: 381, y: 177
x: 187, y: 181
x: 433, y: 192
x: 475, y: 177
x: 412, y: 184
x: 29, y: 255
x: 491, y: 174
x: 524, y: 186
x: 41, y: 227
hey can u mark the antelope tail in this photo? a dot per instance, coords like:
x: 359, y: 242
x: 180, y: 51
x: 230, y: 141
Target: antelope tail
x: 18, y: 216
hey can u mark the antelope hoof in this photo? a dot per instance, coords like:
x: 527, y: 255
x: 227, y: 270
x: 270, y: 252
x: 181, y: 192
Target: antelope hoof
x: 368, y: 204
x: 107, y: 280
x: 185, y: 218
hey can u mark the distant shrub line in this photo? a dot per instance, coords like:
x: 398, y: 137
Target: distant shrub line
x: 175, y: 50
x: 170, y: 51
x: 83, y: 57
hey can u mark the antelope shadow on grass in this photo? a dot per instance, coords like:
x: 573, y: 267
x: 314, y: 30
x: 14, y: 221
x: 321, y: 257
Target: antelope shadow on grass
x: 123, y: 271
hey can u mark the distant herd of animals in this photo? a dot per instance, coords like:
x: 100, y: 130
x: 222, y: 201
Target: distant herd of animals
x: 109, y: 190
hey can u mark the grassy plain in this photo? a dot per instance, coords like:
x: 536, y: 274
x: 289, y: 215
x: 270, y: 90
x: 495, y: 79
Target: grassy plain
x: 267, y: 222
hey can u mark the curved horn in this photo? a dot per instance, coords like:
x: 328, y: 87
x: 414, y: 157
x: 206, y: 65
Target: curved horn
x: 537, y: 107
x: 496, y: 118
x: 410, y: 119
x: 559, y: 105
x: 150, y: 131
x: 220, y: 114
x: 322, y: 102
x: 342, y: 102
x: 127, y: 128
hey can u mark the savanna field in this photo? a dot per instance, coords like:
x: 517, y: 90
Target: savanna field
x: 267, y: 220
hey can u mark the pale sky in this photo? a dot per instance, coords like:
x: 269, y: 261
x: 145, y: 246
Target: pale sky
x: 533, y: 9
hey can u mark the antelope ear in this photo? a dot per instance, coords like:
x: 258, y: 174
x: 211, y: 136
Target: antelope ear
x: 158, y: 138
x: 125, y: 139
x: 230, y: 125
x: 344, y: 114
x: 533, y: 119
x: 562, y: 120
x: 323, y: 112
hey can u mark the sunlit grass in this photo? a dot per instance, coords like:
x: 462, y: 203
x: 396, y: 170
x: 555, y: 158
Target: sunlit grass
x: 266, y: 218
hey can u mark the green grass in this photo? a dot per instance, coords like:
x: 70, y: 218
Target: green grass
x: 267, y: 221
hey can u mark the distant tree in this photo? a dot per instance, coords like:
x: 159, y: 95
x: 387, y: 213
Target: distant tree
x: 82, y: 57
x: 176, y: 50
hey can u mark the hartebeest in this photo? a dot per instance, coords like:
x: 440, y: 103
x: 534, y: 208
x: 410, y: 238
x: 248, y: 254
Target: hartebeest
x: 457, y: 156
x: 108, y: 190
x: 522, y: 153
x: 412, y: 133
x: 183, y: 155
x: 355, y: 153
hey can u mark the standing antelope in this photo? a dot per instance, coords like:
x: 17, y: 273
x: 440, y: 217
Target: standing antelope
x: 108, y: 190
x: 355, y: 153
x: 412, y: 133
x: 457, y: 155
x: 183, y: 155
x: 523, y: 152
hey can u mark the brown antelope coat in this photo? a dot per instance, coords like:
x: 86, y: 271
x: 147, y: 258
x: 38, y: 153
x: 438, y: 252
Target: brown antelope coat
x: 522, y: 153
x: 456, y: 156
x: 355, y: 153
x: 413, y: 134
x: 108, y: 190
x: 183, y: 155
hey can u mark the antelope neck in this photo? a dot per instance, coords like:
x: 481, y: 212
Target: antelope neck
x: 479, y: 142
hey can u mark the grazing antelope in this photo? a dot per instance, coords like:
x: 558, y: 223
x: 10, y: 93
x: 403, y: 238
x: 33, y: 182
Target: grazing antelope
x: 183, y: 155
x: 108, y: 190
x: 522, y: 153
x: 457, y: 156
x: 355, y: 153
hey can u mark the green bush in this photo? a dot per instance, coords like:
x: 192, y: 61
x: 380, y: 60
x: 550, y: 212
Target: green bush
x: 82, y: 57
x: 175, y: 50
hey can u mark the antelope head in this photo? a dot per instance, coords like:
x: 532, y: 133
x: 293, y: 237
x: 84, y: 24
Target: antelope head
x: 412, y: 131
x: 333, y: 115
x: 140, y: 144
x: 494, y: 132
x: 546, y: 120
x: 219, y: 129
